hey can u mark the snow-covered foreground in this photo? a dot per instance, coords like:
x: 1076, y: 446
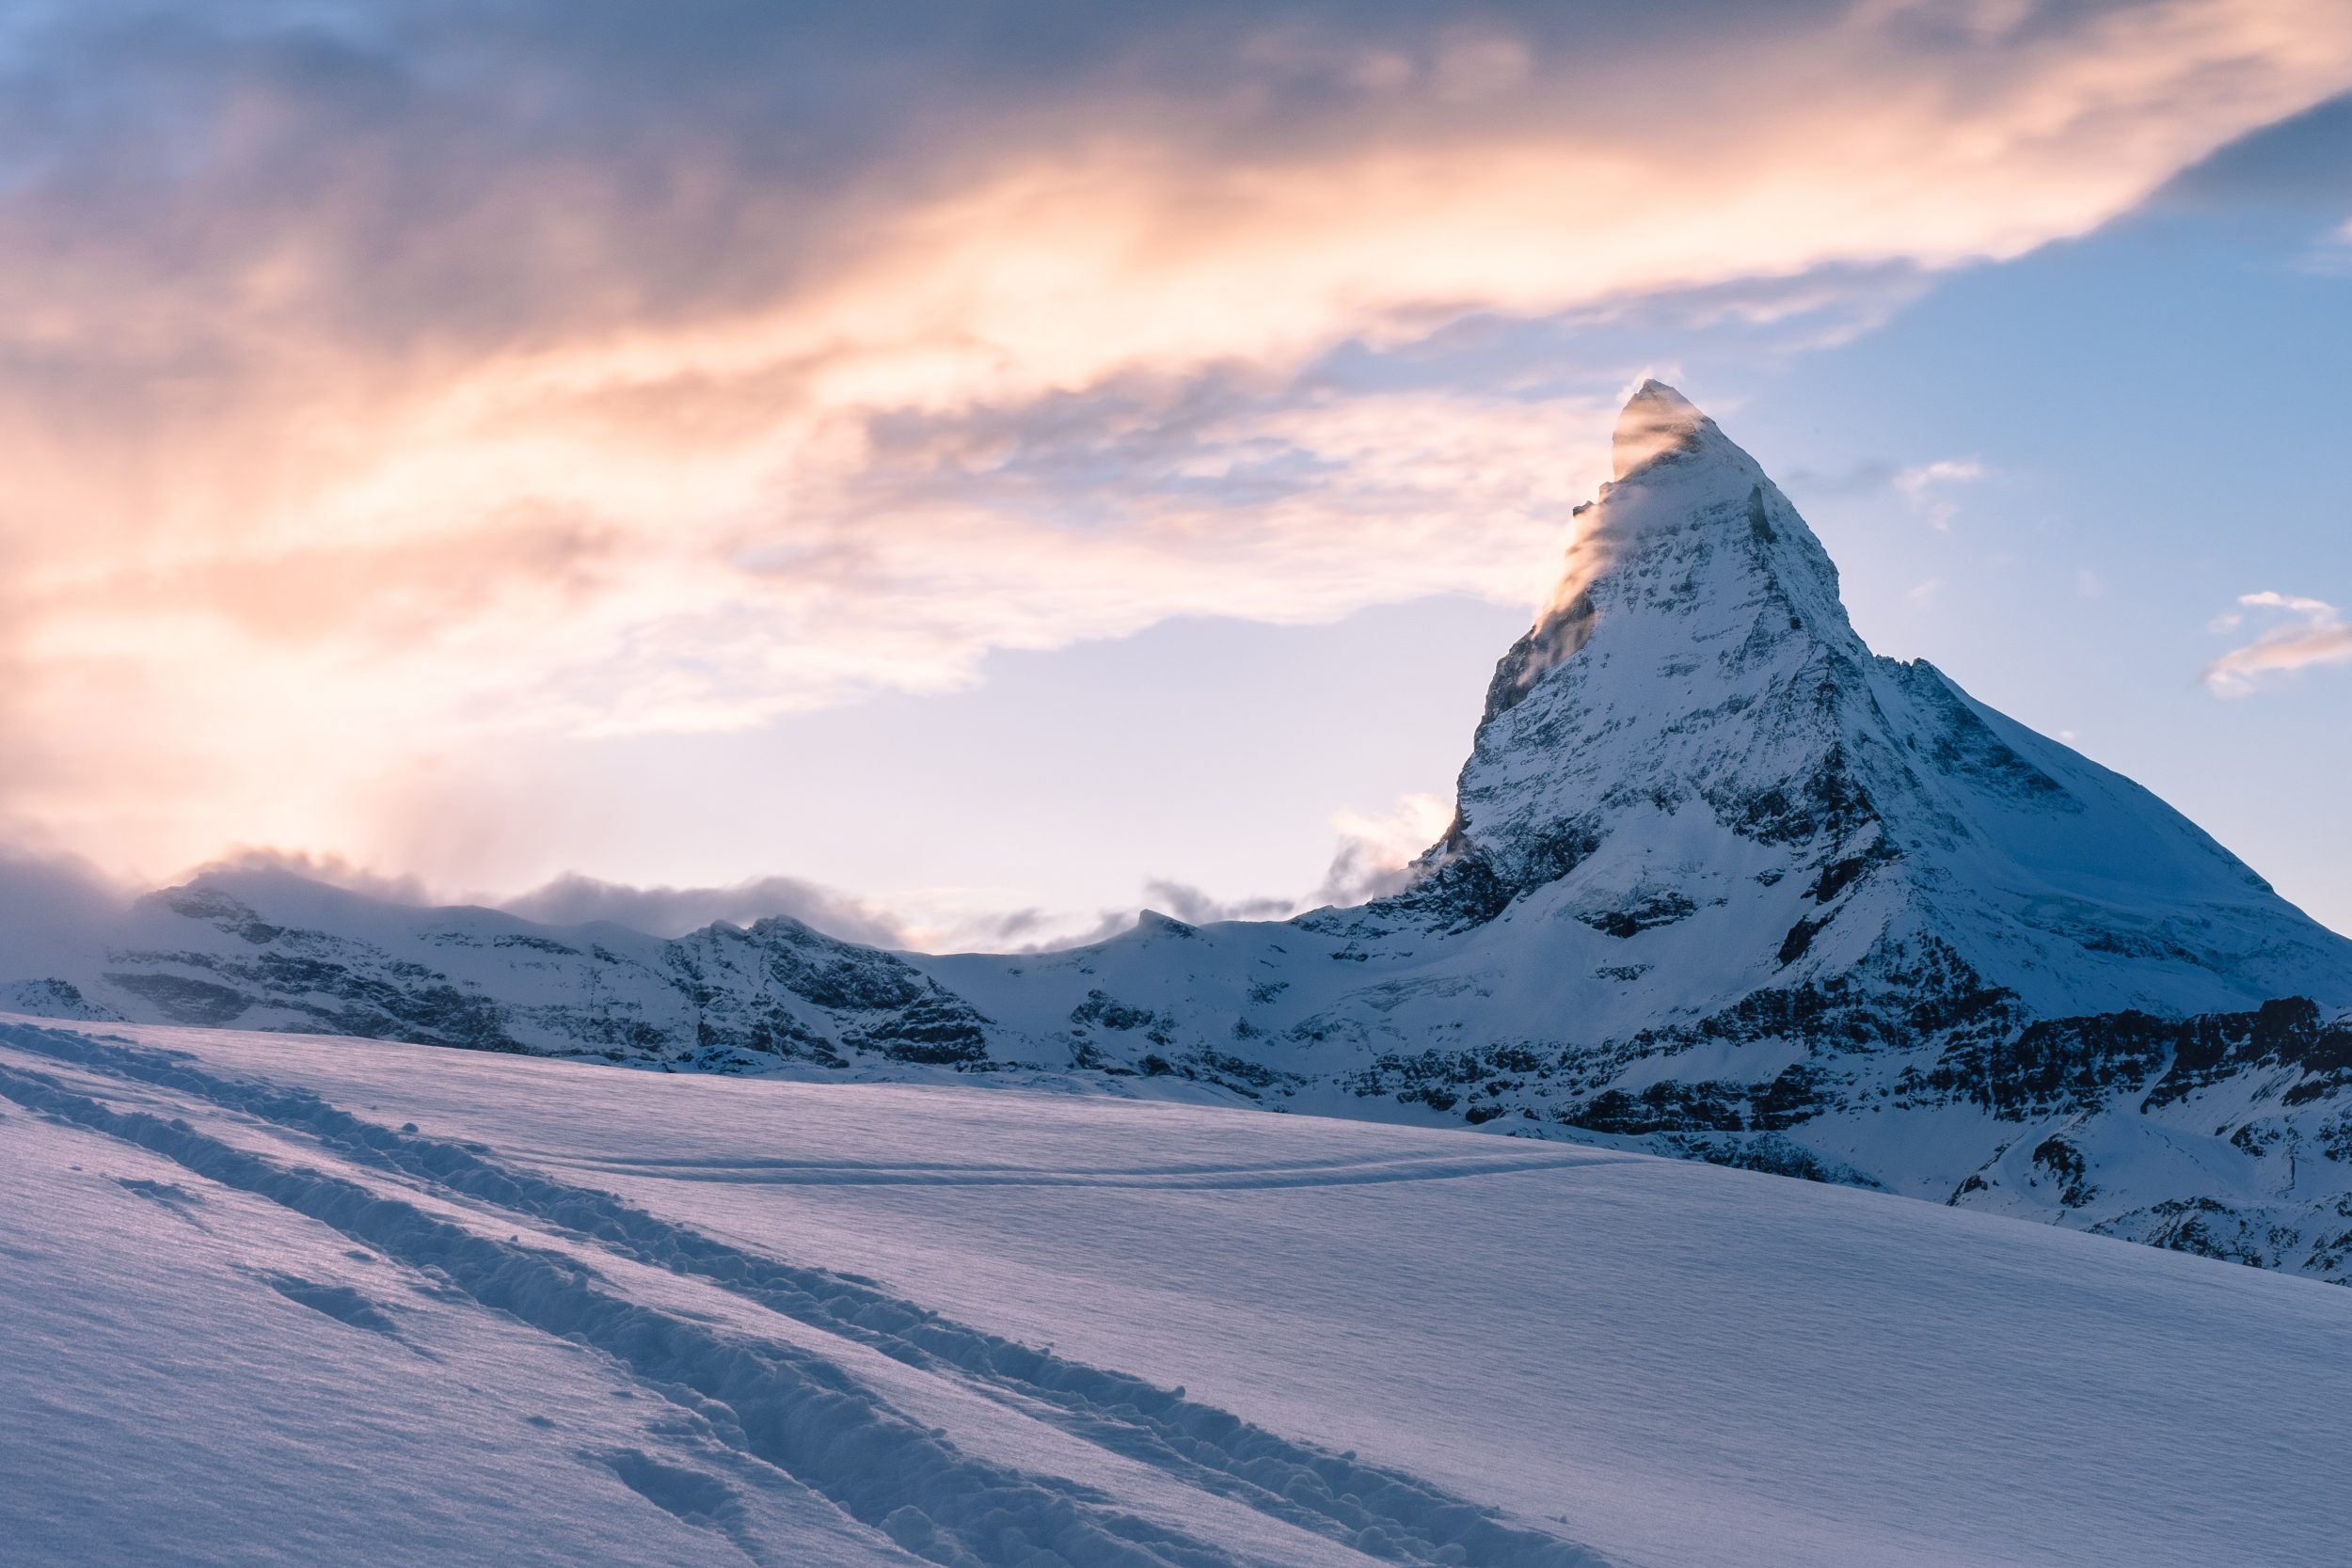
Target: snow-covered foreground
x: 279, y: 1299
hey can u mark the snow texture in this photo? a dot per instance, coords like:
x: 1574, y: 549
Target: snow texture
x: 277, y: 1299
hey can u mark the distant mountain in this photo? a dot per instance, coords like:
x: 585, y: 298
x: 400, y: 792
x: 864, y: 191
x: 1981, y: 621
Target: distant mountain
x: 1720, y: 883
x: 268, y: 949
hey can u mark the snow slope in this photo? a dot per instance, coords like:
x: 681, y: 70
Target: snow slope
x: 272, y: 1299
x: 1722, y: 883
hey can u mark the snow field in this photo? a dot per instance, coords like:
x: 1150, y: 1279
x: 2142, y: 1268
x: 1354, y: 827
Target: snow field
x: 862, y: 1324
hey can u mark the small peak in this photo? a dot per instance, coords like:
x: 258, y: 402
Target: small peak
x: 1656, y: 420
x: 1152, y: 922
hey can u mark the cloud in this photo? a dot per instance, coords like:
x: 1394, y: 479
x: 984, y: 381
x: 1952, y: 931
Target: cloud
x: 1195, y: 907
x: 1923, y: 486
x: 53, y: 908
x: 2332, y: 256
x: 2302, y: 165
x: 1372, y: 858
x: 2317, y: 634
x: 1864, y: 479
x: 333, y: 870
x: 379, y: 382
x: 1376, y: 850
x: 57, y: 902
x: 668, y: 911
x: 575, y: 899
x: 1914, y: 481
x: 2313, y: 610
x: 571, y: 899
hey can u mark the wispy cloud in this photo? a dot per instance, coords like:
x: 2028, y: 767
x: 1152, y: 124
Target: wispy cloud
x: 375, y: 380
x: 670, y: 912
x: 2313, y: 632
x: 1927, y: 488
x: 1377, y: 849
x: 2330, y: 255
x: 1373, y: 857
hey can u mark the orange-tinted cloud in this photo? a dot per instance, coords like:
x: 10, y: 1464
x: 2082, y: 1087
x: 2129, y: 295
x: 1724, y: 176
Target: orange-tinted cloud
x: 374, y: 389
x: 2317, y: 634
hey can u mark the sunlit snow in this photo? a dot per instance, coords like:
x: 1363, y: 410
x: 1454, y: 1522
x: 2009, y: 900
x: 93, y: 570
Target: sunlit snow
x: 272, y: 1299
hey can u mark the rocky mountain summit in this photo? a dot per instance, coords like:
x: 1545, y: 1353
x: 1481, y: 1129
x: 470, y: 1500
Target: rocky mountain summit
x: 1720, y: 883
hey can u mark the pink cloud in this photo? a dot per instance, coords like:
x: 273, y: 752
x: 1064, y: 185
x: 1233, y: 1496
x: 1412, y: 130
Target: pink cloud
x: 2318, y: 635
x: 355, y: 417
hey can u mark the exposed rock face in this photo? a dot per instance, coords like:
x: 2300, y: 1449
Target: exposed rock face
x: 1720, y: 883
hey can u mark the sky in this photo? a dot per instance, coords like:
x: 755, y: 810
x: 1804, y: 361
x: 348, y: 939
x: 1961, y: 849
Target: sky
x: 961, y: 472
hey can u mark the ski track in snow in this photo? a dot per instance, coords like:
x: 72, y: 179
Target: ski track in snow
x: 1304, y: 1173
x: 778, y: 1403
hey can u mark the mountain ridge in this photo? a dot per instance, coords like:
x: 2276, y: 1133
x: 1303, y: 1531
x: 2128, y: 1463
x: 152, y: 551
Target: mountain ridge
x: 1721, y: 883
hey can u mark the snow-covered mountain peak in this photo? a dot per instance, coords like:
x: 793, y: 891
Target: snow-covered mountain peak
x: 1693, y: 734
x: 1692, y: 529
x: 1656, y: 420
x: 1694, y: 652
